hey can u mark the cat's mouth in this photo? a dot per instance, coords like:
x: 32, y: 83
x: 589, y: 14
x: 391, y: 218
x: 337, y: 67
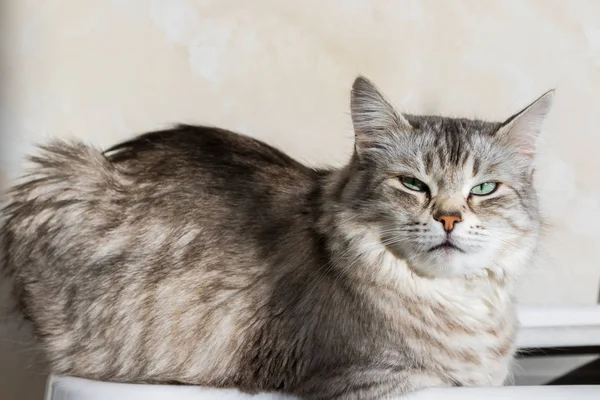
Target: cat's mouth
x: 446, y: 245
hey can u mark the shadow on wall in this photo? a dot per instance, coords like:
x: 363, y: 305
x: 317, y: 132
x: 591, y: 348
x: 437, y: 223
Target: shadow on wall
x: 21, y: 369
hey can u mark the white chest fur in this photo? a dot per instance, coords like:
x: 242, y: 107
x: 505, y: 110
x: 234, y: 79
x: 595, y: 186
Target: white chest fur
x: 462, y: 328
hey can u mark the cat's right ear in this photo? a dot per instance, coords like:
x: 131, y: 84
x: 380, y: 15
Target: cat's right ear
x: 373, y: 117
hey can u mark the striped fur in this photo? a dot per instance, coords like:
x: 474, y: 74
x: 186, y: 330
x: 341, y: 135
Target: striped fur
x: 200, y: 256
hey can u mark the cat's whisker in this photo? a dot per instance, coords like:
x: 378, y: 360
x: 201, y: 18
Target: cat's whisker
x: 397, y: 241
x: 501, y: 240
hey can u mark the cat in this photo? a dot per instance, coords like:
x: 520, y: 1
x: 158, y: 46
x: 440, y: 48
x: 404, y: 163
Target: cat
x: 200, y: 256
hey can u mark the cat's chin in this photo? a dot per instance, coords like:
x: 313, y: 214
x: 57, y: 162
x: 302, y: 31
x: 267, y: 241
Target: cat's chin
x: 449, y: 262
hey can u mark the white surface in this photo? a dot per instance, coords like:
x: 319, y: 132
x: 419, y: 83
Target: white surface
x: 511, y: 392
x: 559, y: 316
x: 82, y: 389
x: 559, y: 326
x: 68, y: 388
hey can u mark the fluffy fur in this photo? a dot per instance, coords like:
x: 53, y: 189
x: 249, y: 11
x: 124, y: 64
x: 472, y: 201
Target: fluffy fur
x: 200, y: 256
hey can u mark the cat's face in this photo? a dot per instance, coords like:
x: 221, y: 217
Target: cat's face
x: 453, y: 197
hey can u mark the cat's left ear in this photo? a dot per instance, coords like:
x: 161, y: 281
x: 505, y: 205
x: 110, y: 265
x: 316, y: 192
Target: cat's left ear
x: 522, y: 129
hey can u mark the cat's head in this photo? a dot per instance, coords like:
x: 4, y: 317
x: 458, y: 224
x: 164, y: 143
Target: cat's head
x: 453, y: 197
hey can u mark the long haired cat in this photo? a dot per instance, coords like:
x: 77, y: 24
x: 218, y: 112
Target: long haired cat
x: 200, y: 256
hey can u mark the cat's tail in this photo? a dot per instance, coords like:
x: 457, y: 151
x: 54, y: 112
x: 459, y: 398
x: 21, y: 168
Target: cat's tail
x: 65, y: 180
x: 64, y: 171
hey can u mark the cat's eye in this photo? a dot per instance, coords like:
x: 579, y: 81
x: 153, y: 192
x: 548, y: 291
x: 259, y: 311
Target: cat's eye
x: 413, y: 184
x: 483, y: 189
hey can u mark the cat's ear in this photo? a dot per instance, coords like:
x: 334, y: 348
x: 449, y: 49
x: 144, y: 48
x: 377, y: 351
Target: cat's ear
x: 372, y: 115
x: 522, y: 129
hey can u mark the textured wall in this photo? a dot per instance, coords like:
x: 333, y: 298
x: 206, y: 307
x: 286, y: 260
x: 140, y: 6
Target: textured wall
x: 281, y: 71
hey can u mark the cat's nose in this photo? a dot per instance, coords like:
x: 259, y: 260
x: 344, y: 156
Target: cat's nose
x: 448, y: 220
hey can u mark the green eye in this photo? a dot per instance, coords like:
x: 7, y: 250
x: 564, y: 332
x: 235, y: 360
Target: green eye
x: 484, y: 189
x: 414, y: 184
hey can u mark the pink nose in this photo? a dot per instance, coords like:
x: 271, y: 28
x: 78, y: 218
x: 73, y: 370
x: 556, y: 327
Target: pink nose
x: 448, y: 221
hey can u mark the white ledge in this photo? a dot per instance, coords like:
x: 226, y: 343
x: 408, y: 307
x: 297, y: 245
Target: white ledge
x: 66, y: 388
x: 559, y: 326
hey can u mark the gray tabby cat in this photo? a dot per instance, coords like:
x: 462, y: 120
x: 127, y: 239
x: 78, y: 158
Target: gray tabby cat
x: 200, y: 256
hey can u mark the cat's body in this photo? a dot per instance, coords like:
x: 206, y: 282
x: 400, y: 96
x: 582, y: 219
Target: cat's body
x: 200, y: 256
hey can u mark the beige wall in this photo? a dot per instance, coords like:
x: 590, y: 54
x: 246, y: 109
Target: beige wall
x: 281, y: 71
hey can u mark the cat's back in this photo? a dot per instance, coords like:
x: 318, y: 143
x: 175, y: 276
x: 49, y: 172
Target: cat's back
x: 210, y: 181
x: 208, y: 156
x: 225, y: 182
